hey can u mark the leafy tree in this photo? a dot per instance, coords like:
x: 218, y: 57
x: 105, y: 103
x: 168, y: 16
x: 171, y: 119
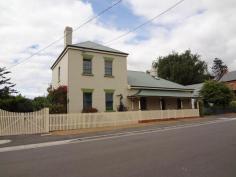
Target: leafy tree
x: 6, y: 86
x: 217, y: 93
x: 219, y: 69
x: 185, y: 68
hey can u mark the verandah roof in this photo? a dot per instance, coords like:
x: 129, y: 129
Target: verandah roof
x: 164, y: 93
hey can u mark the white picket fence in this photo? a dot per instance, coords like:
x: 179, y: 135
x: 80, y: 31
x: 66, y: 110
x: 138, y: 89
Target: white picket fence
x: 43, y: 122
x: 12, y: 123
x: 93, y: 120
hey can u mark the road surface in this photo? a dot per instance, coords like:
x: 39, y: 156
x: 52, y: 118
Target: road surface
x: 191, y: 151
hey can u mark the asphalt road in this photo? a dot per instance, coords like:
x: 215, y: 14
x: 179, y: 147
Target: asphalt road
x: 199, y: 151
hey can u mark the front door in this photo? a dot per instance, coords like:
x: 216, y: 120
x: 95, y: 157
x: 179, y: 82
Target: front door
x: 143, y: 103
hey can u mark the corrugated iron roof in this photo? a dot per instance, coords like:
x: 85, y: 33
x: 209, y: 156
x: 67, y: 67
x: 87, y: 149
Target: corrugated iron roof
x: 96, y: 46
x: 230, y: 76
x: 142, y: 79
x: 164, y: 93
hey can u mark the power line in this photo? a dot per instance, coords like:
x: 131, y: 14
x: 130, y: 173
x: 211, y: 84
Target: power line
x: 146, y: 22
x: 62, y: 37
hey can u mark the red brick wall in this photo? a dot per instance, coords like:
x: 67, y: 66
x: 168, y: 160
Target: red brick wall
x: 231, y: 84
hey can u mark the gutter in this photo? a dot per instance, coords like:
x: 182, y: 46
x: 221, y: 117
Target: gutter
x: 160, y: 88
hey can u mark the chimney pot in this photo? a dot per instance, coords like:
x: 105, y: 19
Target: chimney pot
x: 68, y: 36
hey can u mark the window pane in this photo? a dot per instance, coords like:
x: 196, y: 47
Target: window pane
x: 87, y: 100
x: 108, y: 68
x: 59, y: 74
x: 87, y: 66
x: 109, y: 101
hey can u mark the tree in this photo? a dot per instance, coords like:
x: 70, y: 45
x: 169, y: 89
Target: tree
x: 217, y: 93
x: 6, y: 86
x: 16, y: 104
x: 219, y: 69
x: 185, y: 68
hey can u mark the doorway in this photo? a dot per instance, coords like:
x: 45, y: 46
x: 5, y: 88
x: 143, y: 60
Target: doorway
x: 143, y: 103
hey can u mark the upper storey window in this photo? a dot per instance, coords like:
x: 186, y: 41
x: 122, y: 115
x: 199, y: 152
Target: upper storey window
x: 87, y: 64
x: 59, y: 74
x: 108, y: 66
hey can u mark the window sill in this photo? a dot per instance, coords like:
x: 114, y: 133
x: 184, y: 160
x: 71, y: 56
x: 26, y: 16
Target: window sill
x: 85, y: 74
x: 110, y: 111
x: 109, y: 76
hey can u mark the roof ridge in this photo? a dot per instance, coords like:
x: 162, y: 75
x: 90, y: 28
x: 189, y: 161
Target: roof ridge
x: 97, y: 46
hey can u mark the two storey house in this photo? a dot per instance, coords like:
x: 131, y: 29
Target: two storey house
x: 97, y: 77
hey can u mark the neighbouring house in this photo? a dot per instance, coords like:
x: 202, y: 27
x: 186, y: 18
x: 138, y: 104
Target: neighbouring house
x: 196, y: 93
x: 230, y: 79
x: 97, y: 77
x: 196, y: 88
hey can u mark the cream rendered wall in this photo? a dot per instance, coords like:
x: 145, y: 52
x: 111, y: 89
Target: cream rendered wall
x: 77, y: 81
x: 63, y: 64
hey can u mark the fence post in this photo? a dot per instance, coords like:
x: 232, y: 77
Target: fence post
x: 46, y: 115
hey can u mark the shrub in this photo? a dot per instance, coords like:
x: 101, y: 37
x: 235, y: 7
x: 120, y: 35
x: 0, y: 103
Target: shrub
x: 201, y: 108
x: 57, y: 99
x: 57, y: 109
x: 89, y: 110
x: 217, y: 93
x: 40, y: 103
x: 232, y: 106
x: 17, y: 104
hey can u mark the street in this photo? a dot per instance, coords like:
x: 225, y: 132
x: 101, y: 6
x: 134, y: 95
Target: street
x: 193, y: 151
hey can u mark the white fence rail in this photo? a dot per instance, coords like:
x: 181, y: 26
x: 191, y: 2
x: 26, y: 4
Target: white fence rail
x: 93, y: 120
x: 12, y: 123
x: 41, y: 121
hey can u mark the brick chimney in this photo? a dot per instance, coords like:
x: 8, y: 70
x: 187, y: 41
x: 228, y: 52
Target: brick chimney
x: 68, y: 36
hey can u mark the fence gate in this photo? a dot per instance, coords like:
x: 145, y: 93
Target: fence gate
x: 12, y: 123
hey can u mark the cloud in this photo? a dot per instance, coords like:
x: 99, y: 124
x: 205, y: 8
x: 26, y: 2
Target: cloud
x: 27, y: 27
x: 207, y: 27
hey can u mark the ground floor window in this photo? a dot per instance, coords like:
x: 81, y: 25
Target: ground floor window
x: 87, y: 100
x: 109, y: 101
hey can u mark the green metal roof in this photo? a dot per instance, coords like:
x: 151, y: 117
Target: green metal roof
x: 96, y: 46
x: 164, y: 93
x: 142, y: 79
x: 196, y: 87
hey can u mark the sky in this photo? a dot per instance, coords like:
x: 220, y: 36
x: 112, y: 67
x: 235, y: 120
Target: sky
x: 206, y: 27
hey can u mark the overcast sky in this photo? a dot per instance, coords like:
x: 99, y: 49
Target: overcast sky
x: 207, y: 27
